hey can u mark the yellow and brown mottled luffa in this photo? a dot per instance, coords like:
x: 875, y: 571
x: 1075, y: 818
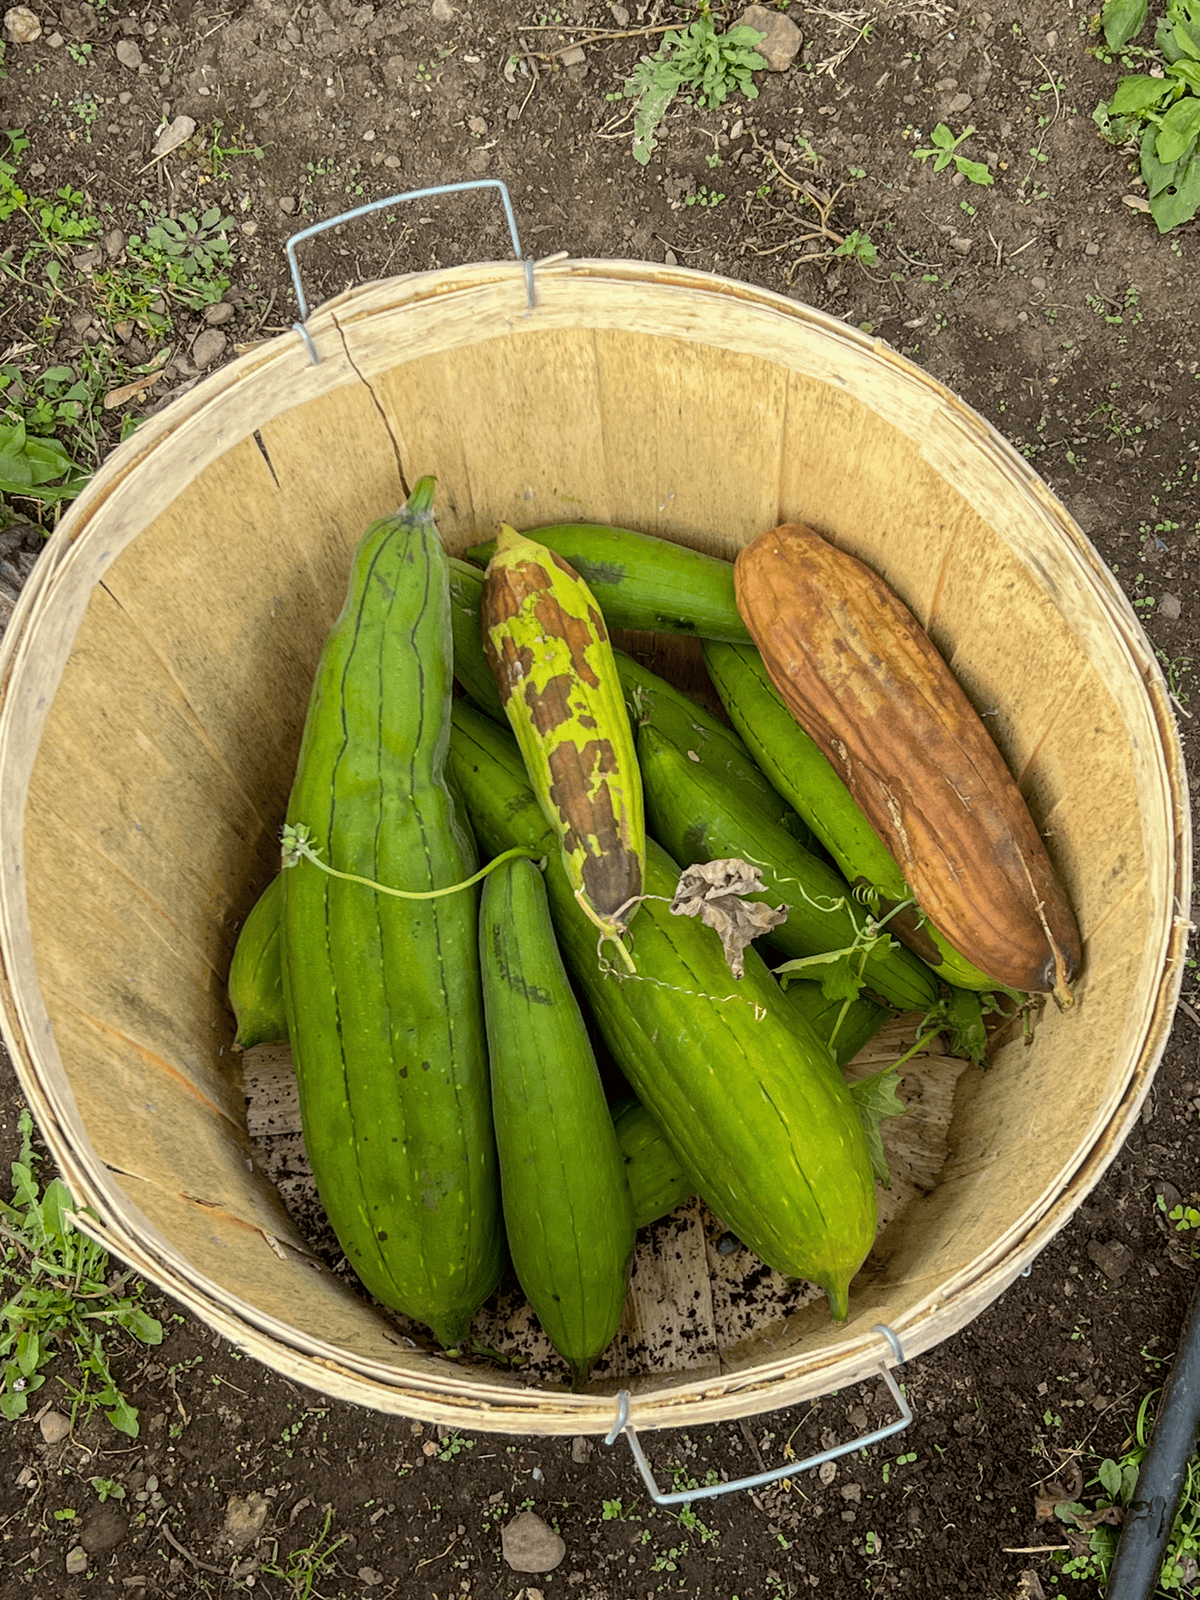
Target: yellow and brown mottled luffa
x: 549, y: 651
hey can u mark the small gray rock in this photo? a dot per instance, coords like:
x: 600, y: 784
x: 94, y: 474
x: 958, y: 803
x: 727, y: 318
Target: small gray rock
x: 1170, y: 606
x: 129, y: 55
x: 443, y: 11
x: 531, y: 1545
x: 21, y: 26
x: 77, y: 1561
x: 581, y: 1450
x: 103, y: 1530
x: 221, y: 312
x: 55, y: 1427
x: 177, y: 133
x: 960, y: 102
x: 208, y: 348
x: 783, y: 38
x: 963, y: 246
x: 1113, y: 1259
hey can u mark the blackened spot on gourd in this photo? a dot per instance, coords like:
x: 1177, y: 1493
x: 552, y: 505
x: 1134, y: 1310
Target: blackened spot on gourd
x: 425, y: 1066
x: 610, y: 573
x: 530, y: 991
x: 381, y: 1235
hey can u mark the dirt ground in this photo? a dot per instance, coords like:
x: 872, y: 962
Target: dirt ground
x: 1046, y: 299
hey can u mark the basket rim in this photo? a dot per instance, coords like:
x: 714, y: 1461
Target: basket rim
x: 775, y: 1384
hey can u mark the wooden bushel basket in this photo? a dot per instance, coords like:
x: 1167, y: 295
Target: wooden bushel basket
x: 154, y: 682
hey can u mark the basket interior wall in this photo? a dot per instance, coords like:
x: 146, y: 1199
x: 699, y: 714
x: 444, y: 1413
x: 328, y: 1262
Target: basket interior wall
x: 161, y: 778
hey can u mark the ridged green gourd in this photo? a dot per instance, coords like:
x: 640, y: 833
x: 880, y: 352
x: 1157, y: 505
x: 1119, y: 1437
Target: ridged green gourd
x: 256, y: 973
x: 697, y: 816
x: 567, y: 1208
x: 655, y: 1174
x: 644, y: 582
x: 742, y: 1089
x: 383, y: 996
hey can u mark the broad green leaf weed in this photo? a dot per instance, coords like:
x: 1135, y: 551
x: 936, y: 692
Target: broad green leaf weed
x: 1159, y: 108
x: 944, y: 150
x: 60, y: 1302
x: 696, y: 59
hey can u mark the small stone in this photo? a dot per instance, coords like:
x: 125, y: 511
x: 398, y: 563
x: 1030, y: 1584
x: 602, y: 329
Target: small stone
x: 1092, y: 249
x: 178, y: 132
x: 103, y: 1530
x: 129, y: 55
x: 21, y: 26
x: 221, y: 312
x: 208, y: 347
x: 573, y: 56
x: 56, y: 40
x: 581, y: 1450
x: 287, y: 204
x: 531, y: 1545
x: 477, y: 126
x: 244, y: 1515
x: 87, y: 260
x: 619, y: 14
x: 960, y: 102
x: 77, y: 1561
x: 443, y: 11
x: 391, y: 161
x: 1051, y: 39
x: 369, y: 136
x: 1171, y: 607
x: 1113, y: 1259
x: 670, y: 259
x: 370, y: 1575
x: 827, y: 1472
x: 249, y: 229
x: 963, y: 246
x: 783, y: 38
x: 55, y: 1427
x: 1039, y: 284
x: 738, y: 129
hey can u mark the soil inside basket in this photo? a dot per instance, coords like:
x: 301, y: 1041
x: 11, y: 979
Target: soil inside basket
x: 1046, y: 300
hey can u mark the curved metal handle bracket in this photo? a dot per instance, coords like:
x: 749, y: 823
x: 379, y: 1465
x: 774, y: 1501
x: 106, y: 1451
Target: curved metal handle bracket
x: 792, y: 1468
x: 301, y: 327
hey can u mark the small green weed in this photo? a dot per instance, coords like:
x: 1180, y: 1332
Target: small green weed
x: 1159, y: 108
x: 944, y: 150
x: 859, y: 246
x: 452, y: 1445
x: 1184, y: 1217
x: 1118, y: 1479
x: 187, y: 256
x: 60, y: 1300
x: 696, y: 59
x: 302, y: 1568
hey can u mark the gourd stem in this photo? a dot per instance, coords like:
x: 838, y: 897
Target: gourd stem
x: 297, y: 847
